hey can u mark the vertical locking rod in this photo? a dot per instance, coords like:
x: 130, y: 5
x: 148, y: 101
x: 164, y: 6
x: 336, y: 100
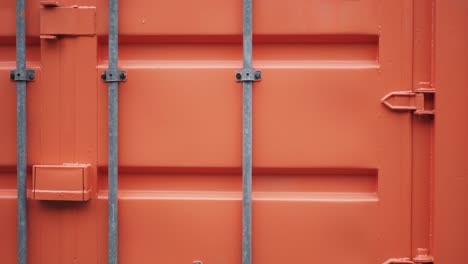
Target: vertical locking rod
x: 113, y: 148
x: 21, y: 132
x: 247, y: 137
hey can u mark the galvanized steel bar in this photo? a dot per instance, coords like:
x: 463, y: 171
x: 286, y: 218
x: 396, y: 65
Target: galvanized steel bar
x: 113, y: 136
x: 247, y: 138
x: 21, y: 133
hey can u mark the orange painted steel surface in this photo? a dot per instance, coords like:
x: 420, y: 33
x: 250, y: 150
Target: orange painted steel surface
x: 338, y: 177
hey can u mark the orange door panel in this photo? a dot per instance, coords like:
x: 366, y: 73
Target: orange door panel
x: 337, y: 176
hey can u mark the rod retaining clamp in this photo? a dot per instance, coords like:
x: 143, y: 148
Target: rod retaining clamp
x: 114, y: 76
x: 248, y: 75
x: 25, y: 75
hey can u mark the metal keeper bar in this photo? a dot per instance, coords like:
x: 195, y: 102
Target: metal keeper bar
x: 21, y: 75
x: 113, y: 76
x: 247, y: 76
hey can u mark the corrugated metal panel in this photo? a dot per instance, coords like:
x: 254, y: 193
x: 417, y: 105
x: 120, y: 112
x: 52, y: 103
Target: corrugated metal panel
x: 337, y: 176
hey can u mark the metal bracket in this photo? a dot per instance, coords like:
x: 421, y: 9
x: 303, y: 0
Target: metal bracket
x: 248, y: 75
x: 114, y: 76
x: 422, y: 257
x: 26, y: 75
x: 421, y: 101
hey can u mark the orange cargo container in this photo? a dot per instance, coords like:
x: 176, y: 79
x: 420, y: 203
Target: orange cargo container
x: 359, y: 138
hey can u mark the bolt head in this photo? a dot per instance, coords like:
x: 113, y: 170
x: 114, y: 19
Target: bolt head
x: 258, y: 75
x: 103, y: 76
x: 123, y: 76
x: 238, y: 76
x: 31, y: 76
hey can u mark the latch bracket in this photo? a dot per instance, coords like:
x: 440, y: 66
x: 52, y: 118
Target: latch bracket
x: 25, y: 75
x: 114, y: 76
x: 421, y: 101
x: 248, y: 75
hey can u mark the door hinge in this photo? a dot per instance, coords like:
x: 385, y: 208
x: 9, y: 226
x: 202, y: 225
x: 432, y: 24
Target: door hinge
x: 422, y: 257
x: 420, y: 101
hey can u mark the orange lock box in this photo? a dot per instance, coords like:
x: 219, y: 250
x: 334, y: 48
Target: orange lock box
x: 67, y: 182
